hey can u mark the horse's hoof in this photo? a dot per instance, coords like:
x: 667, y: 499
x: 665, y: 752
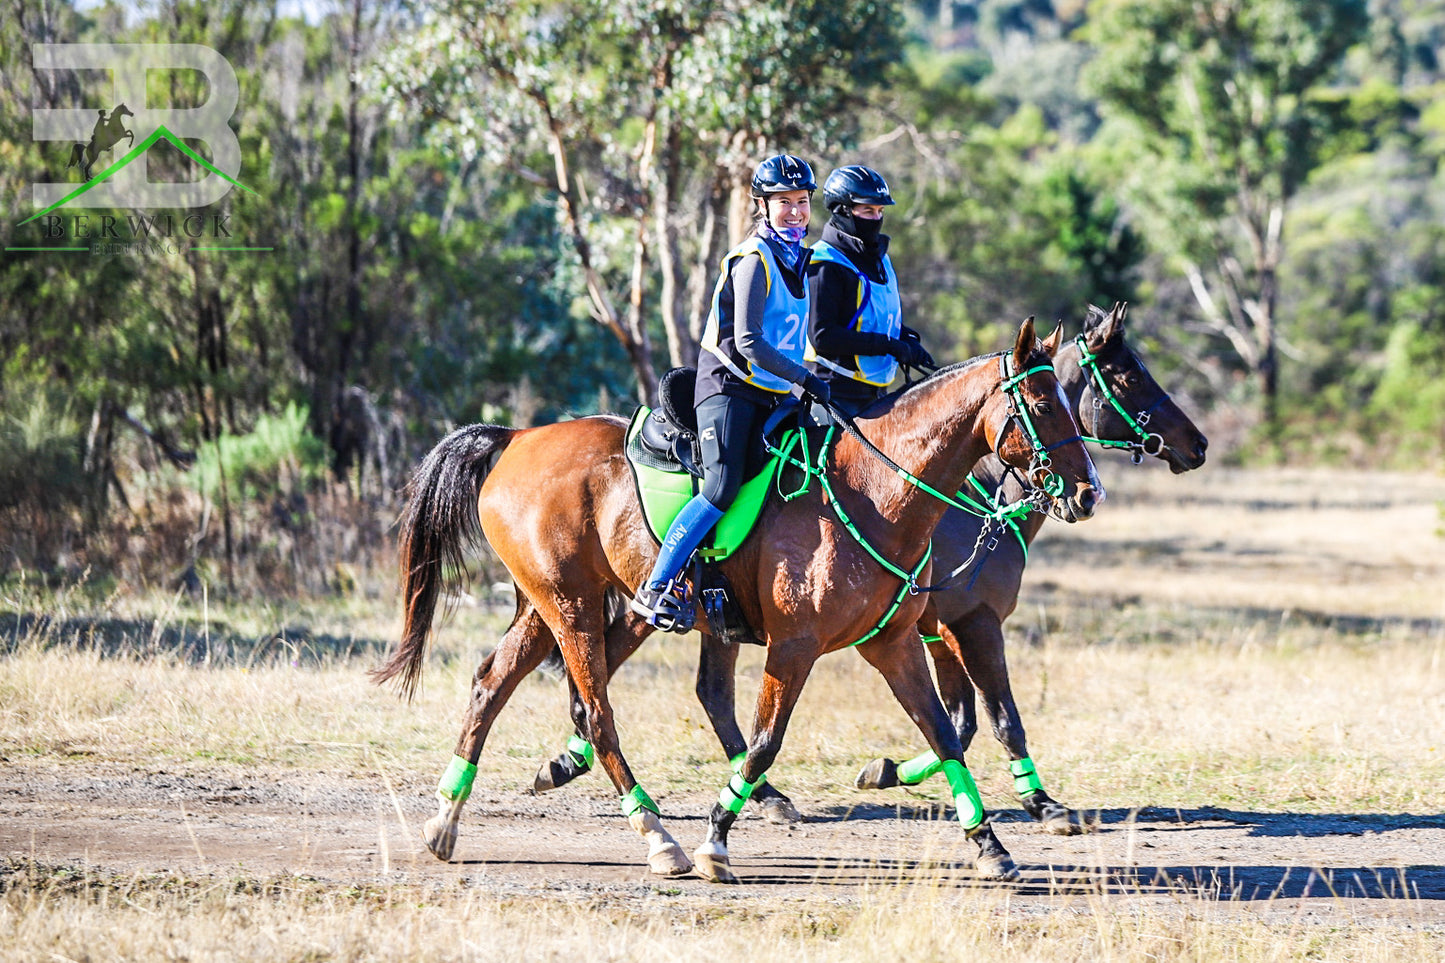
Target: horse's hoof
x: 670, y: 860
x: 1066, y: 823
x: 780, y: 811
x: 996, y: 867
x: 712, y: 863
x: 557, y: 772
x: 440, y: 835
x: 1054, y: 816
x: 878, y: 774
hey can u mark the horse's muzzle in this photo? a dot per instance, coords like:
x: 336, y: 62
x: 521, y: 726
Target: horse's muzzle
x: 1188, y: 459
x: 1083, y: 502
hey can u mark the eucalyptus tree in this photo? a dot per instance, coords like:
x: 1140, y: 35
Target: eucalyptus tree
x: 642, y: 118
x: 1223, y: 102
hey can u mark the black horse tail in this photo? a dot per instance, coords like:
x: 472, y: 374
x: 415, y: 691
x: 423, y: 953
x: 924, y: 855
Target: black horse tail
x: 439, y: 526
x: 77, y: 156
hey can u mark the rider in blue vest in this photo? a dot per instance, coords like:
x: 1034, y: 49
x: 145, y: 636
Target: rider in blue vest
x: 750, y: 361
x: 856, y: 337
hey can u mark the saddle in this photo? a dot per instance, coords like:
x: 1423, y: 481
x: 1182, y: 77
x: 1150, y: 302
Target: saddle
x: 666, y: 461
x: 667, y: 440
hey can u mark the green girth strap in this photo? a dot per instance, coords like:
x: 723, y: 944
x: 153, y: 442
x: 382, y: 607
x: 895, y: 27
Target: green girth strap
x: 909, y: 579
x: 818, y: 468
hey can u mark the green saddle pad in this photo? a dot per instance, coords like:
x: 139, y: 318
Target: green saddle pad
x: 663, y: 493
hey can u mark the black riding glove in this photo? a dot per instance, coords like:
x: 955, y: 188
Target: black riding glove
x: 817, y: 389
x: 922, y: 357
x: 911, y: 353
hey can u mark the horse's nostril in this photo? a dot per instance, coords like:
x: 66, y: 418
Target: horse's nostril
x: 1086, y: 500
x: 1201, y: 446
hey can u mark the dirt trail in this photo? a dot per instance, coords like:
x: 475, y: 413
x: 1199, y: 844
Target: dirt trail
x: 356, y: 830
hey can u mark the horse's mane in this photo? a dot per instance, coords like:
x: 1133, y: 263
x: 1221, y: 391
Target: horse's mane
x: 886, y: 402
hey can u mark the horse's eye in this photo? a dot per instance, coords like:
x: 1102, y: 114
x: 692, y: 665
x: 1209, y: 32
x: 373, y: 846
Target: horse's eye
x: 1043, y: 408
x: 1132, y: 379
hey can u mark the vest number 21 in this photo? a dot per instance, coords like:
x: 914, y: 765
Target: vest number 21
x: 789, y: 340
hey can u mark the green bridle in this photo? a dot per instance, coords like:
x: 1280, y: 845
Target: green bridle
x: 1146, y: 442
x: 1051, y: 487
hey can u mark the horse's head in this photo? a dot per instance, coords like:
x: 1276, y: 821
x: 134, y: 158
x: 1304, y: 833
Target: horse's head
x: 1123, y: 406
x: 1035, y: 431
x: 121, y: 111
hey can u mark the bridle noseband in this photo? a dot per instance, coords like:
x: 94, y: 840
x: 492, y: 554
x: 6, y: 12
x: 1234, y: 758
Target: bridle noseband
x: 1050, y: 481
x: 1146, y: 442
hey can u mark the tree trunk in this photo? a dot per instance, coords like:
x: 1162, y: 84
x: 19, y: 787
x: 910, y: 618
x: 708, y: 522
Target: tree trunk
x: 712, y: 243
x: 602, y: 308
x: 681, y: 341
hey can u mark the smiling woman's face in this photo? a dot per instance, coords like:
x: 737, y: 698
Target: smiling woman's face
x: 789, y: 209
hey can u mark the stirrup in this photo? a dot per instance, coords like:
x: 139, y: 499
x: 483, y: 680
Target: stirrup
x: 670, y: 609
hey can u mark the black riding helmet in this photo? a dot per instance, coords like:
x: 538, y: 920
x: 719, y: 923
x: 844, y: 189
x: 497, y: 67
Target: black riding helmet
x: 783, y: 172
x: 855, y: 184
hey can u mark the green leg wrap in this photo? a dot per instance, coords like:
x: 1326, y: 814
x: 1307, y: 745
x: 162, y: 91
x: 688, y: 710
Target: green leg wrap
x: 737, y: 792
x: 737, y: 764
x: 456, y: 782
x: 637, y: 799
x: 581, y: 750
x: 919, y: 768
x: 1026, y: 777
x: 965, y: 794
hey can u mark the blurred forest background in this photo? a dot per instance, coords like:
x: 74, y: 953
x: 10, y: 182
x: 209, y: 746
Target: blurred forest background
x: 513, y: 212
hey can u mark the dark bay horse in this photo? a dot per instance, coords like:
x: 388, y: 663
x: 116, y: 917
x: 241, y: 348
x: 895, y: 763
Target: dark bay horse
x: 557, y: 504
x: 1120, y: 405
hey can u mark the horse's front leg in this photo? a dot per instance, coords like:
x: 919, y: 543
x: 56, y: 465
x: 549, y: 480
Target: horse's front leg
x: 899, y: 658
x: 979, y: 640
x: 716, y: 690
x: 957, y: 693
x: 584, y: 648
x: 521, y: 650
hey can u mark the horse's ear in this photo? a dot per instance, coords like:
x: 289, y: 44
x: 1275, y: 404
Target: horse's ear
x: 1024, y: 345
x: 1052, y: 342
x: 1105, y: 327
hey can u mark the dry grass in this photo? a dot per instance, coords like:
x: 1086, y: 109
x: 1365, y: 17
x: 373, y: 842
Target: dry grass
x: 48, y: 916
x: 1127, y: 704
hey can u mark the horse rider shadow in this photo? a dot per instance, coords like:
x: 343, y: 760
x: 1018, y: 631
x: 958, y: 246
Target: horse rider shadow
x: 108, y: 132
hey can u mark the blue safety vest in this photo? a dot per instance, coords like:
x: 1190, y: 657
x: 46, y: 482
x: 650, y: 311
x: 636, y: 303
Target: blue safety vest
x: 880, y: 311
x: 785, y: 320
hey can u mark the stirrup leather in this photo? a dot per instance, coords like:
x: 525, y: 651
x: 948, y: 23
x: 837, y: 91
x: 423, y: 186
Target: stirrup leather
x: 670, y: 609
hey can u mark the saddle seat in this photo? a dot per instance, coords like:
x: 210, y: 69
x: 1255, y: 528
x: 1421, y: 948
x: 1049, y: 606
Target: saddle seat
x: 663, y: 453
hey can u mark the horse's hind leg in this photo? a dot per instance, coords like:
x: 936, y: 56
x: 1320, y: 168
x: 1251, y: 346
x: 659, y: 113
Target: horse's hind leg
x: 520, y: 651
x: 978, y: 639
x: 717, y: 691
x: 625, y: 633
x: 584, y: 647
x: 784, y: 674
x: 903, y: 667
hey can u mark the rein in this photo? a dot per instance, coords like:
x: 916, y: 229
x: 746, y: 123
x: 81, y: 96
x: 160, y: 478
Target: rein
x: 1036, y: 499
x: 1148, y: 443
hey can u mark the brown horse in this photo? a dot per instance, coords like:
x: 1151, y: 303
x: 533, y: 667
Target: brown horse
x: 558, y: 506
x: 1120, y: 404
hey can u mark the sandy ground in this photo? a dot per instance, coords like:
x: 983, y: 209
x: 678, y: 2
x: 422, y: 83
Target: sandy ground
x: 364, y: 829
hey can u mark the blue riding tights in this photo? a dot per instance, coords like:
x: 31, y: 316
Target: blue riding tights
x: 688, y: 530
